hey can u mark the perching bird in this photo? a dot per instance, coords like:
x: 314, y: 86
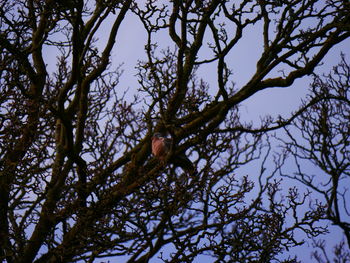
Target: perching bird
x: 161, y: 146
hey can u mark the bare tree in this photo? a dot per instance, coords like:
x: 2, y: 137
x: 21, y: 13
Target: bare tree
x: 321, y: 135
x: 77, y: 179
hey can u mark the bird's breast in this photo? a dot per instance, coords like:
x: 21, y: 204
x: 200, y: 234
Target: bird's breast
x: 158, y: 148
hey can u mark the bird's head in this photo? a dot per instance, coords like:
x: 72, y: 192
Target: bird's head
x: 157, y: 135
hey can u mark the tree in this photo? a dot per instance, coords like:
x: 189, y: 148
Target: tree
x: 77, y: 178
x: 321, y: 135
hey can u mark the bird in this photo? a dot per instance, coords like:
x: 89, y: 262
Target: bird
x: 161, y: 146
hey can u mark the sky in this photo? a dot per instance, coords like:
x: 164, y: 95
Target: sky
x: 274, y: 102
x: 129, y: 49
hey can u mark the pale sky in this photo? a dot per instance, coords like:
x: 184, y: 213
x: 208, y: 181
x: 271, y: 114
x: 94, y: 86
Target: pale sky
x: 129, y: 49
x: 273, y: 101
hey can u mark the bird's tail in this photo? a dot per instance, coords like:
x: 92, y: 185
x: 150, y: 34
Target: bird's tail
x: 182, y: 161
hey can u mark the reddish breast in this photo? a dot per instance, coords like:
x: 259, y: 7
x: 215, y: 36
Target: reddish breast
x: 158, y: 147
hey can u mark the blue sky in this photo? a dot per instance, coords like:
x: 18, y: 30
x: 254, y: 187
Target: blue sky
x: 273, y: 101
x: 129, y: 49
